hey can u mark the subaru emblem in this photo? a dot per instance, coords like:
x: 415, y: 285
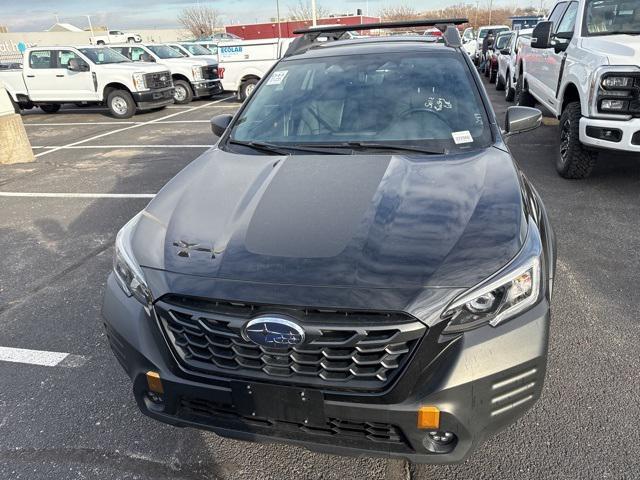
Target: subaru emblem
x: 273, y: 331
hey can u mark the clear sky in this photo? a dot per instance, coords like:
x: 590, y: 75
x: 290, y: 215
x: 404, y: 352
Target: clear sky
x: 37, y: 15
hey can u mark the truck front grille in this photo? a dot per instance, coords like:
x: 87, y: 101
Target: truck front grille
x: 210, y: 72
x: 342, y: 349
x: 158, y: 80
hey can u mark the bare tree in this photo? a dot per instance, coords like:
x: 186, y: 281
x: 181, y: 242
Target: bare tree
x: 200, y: 20
x: 398, y: 13
x: 302, y: 11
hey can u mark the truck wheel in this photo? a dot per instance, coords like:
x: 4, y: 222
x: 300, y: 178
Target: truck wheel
x: 100, y: 42
x: 499, y: 83
x: 522, y: 97
x: 131, y: 40
x: 16, y: 107
x: 247, y: 88
x: 49, y: 108
x: 492, y: 75
x: 509, y: 92
x: 121, y: 104
x: 574, y: 160
x: 182, y: 93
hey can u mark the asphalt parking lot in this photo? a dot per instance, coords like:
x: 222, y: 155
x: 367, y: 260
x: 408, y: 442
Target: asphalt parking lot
x: 59, y: 217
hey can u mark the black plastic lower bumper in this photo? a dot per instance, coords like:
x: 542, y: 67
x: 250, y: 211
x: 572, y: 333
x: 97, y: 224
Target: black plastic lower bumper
x: 491, y: 378
x: 207, y: 89
x: 153, y: 98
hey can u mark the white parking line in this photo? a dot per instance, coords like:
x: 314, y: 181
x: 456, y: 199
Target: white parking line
x: 78, y: 124
x: 40, y: 357
x: 130, y: 127
x: 78, y: 147
x: 76, y: 195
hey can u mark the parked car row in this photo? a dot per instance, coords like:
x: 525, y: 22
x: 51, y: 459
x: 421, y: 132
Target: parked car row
x: 125, y: 78
x: 583, y: 65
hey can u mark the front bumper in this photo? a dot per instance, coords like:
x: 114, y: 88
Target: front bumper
x: 153, y: 98
x: 481, y: 383
x: 207, y: 88
x: 628, y: 128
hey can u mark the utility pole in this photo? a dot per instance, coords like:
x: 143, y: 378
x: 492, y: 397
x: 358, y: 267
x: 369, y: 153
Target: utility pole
x: 314, y: 13
x: 475, y: 24
x: 490, y: 10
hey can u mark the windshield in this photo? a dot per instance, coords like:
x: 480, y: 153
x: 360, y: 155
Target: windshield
x: 103, y: 56
x: 408, y: 99
x: 610, y: 17
x: 196, y: 50
x: 483, y: 33
x: 163, y: 51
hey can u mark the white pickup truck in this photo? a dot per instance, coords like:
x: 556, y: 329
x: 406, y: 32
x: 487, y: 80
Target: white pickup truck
x: 52, y: 76
x: 242, y: 63
x: 583, y: 65
x: 115, y: 36
x: 192, y: 77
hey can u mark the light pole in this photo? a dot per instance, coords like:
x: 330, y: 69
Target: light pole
x: 278, y: 18
x: 90, y: 25
x: 490, y: 10
x: 314, y: 15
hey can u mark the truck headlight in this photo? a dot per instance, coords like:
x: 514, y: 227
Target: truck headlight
x: 197, y: 73
x: 127, y: 271
x: 617, y: 82
x: 507, y: 293
x: 139, y: 82
x: 614, y: 90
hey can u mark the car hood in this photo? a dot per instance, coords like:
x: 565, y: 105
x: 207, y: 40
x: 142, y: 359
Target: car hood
x: 186, y: 61
x: 144, y: 67
x: 618, y: 49
x: 345, y: 220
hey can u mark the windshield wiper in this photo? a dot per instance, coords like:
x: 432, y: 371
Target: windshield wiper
x: 280, y: 149
x: 382, y: 146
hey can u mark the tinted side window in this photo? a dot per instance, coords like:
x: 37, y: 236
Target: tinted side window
x: 41, y: 59
x: 126, y: 51
x: 64, y: 56
x: 136, y: 54
x: 568, y: 23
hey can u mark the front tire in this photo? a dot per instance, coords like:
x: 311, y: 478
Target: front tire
x: 509, y: 92
x: 49, y: 108
x: 100, y: 42
x: 499, y: 83
x: 574, y: 160
x: 523, y: 98
x: 247, y: 88
x: 121, y: 104
x: 182, y: 93
x: 493, y: 74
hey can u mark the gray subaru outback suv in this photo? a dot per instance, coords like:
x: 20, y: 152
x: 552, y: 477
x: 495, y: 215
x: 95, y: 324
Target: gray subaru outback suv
x: 358, y: 266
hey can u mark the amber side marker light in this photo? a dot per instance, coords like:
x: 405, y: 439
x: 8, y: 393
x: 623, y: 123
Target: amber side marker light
x: 429, y: 418
x: 154, y: 383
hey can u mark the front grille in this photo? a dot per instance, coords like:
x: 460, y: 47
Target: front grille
x: 343, y: 349
x: 158, y: 80
x: 210, y: 73
x: 335, y: 430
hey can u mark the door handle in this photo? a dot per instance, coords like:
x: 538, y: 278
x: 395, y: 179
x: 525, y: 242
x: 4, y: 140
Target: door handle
x: 31, y: 76
x: 59, y: 76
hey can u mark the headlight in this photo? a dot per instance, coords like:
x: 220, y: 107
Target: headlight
x: 617, y: 82
x: 139, y: 82
x: 128, y: 273
x: 197, y: 73
x: 509, y: 292
x: 614, y: 91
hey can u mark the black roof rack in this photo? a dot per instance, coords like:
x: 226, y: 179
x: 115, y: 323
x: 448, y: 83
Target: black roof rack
x: 311, y: 35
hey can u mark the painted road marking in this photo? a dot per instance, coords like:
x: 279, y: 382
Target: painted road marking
x: 40, y: 357
x: 77, y: 195
x: 118, y: 130
x: 77, y: 147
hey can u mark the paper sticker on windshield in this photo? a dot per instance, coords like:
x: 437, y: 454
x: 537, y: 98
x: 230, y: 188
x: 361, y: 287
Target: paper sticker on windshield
x: 462, y: 137
x: 277, y: 77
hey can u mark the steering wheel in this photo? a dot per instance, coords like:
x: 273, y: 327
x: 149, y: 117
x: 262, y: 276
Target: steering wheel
x: 413, y: 111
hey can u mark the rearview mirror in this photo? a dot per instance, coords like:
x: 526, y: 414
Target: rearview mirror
x: 541, y: 36
x: 521, y: 119
x: 219, y: 124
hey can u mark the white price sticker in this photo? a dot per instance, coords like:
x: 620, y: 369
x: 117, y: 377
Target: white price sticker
x: 462, y: 137
x: 277, y: 77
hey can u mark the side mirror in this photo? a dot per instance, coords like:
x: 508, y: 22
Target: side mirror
x: 521, y: 119
x: 541, y: 36
x: 219, y: 124
x: 505, y: 51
